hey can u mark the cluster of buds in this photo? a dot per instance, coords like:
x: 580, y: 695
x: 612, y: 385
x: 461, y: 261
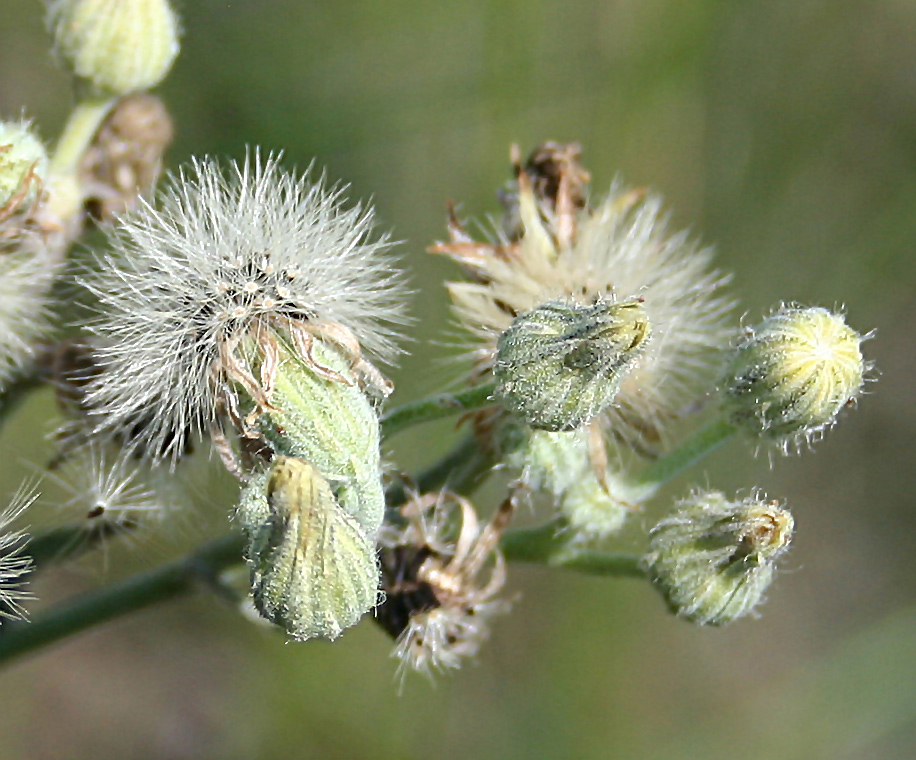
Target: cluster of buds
x: 578, y: 313
x: 251, y: 307
x: 599, y: 330
x: 240, y: 308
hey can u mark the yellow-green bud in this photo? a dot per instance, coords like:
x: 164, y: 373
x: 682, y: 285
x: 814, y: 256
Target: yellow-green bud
x: 116, y: 46
x: 313, y: 569
x: 23, y: 164
x: 559, y: 365
x: 713, y: 559
x: 792, y: 374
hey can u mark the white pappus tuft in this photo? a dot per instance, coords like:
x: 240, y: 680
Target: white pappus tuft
x: 27, y: 272
x: 221, y: 256
x: 15, y: 565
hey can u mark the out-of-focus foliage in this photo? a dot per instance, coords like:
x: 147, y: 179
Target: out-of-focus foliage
x: 781, y: 131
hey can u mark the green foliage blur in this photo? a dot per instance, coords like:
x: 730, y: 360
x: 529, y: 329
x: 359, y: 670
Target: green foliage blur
x: 784, y: 133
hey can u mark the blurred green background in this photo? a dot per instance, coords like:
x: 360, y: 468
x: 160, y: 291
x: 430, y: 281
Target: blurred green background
x: 784, y: 133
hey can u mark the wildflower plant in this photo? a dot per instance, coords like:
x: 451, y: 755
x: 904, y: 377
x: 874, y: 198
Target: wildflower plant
x: 248, y: 310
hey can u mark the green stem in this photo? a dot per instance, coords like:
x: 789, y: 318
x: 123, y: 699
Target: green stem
x: 131, y: 594
x: 545, y: 545
x: 69, y: 542
x: 435, y: 408
x: 85, y: 119
x: 691, y: 451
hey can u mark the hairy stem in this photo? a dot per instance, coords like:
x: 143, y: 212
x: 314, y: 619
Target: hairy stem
x: 691, y: 451
x: 435, y: 408
x: 85, y: 120
x: 135, y: 593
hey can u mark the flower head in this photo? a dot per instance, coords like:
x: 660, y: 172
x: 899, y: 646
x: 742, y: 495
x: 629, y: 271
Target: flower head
x: 441, y: 574
x: 790, y: 376
x: 23, y: 166
x: 115, y: 46
x: 228, y: 260
x: 561, y: 251
x: 713, y: 559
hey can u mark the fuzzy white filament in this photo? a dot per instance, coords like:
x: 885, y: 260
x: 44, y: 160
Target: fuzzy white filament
x: 15, y: 565
x: 220, y: 253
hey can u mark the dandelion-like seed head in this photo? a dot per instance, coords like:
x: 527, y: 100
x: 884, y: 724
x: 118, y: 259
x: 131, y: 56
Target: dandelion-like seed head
x: 620, y: 250
x: 106, y: 496
x: 228, y: 258
x: 442, y: 574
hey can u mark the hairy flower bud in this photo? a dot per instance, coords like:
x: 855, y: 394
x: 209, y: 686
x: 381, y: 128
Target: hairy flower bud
x: 792, y: 374
x: 23, y: 165
x: 116, y: 46
x: 713, y: 559
x: 313, y: 569
x: 595, y: 509
x: 329, y: 423
x: 559, y: 365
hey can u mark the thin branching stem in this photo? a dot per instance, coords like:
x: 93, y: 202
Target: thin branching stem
x: 200, y: 568
x: 435, y: 408
x: 547, y: 545
x: 685, y: 456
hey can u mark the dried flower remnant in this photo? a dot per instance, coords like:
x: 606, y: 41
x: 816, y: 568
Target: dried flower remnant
x: 442, y: 573
x: 621, y: 249
x: 125, y: 158
x: 205, y: 297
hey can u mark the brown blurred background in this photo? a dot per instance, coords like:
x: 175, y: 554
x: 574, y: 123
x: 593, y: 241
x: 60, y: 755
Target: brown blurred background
x: 784, y: 133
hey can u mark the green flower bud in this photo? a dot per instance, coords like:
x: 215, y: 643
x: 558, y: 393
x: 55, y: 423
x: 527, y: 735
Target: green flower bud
x: 550, y: 462
x: 313, y: 569
x: 116, y: 46
x: 791, y: 376
x: 559, y: 365
x: 331, y: 424
x: 713, y: 559
x: 23, y: 164
x: 595, y: 509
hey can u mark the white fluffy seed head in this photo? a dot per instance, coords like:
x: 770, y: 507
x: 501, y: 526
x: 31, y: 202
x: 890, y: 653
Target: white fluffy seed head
x: 221, y: 254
